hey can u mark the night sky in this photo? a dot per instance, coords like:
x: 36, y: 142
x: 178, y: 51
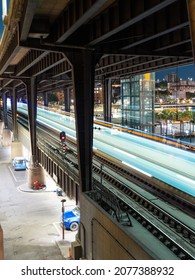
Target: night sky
x: 1, y: 24
x: 184, y: 72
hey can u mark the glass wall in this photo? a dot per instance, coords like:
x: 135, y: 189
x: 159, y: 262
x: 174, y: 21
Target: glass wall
x: 137, y: 102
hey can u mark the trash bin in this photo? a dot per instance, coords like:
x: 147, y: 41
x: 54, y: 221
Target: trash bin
x: 59, y: 191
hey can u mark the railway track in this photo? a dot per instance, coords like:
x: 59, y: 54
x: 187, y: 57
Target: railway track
x: 167, y: 228
x: 175, y: 197
x: 173, y: 233
x: 155, y: 186
x: 128, y: 191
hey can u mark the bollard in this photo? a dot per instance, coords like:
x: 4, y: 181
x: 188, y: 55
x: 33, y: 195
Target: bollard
x: 63, y: 210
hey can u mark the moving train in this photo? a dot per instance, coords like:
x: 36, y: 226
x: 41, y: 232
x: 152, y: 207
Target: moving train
x: 155, y: 137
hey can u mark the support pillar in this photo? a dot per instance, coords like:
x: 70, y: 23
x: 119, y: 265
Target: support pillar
x: 16, y: 145
x: 14, y: 114
x: 6, y: 135
x: 32, y: 115
x: 45, y: 96
x: 191, y: 13
x: 83, y: 64
x: 35, y: 172
x: 5, y: 110
x: 107, y: 99
x: 1, y: 128
x: 67, y: 98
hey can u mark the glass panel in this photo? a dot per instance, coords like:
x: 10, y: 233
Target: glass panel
x: 138, y: 101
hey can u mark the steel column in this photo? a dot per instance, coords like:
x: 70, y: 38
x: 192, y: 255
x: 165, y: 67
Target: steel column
x: 191, y: 13
x: 14, y: 113
x: 83, y: 64
x: 107, y: 99
x: 5, y: 110
x: 67, y: 99
x: 31, y: 88
x: 45, y: 97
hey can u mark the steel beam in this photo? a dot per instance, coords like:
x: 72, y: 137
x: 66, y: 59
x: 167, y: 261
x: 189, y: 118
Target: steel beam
x: 107, y: 99
x: 14, y: 113
x: 191, y: 12
x: 76, y: 14
x: 5, y: 110
x: 83, y: 65
x: 31, y: 88
x: 67, y: 98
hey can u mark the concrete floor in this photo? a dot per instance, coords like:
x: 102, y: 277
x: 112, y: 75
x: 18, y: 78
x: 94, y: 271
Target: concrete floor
x: 31, y: 219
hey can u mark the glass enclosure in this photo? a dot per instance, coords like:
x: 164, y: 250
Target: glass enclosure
x: 137, y: 102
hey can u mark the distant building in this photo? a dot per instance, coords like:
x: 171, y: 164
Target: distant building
x: 98, y: 95
x: 179, y: 88
x: 179, y: 94
x: 171, y: 78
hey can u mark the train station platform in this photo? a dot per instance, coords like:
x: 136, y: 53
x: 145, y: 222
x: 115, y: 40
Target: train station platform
x: 31, y: 219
